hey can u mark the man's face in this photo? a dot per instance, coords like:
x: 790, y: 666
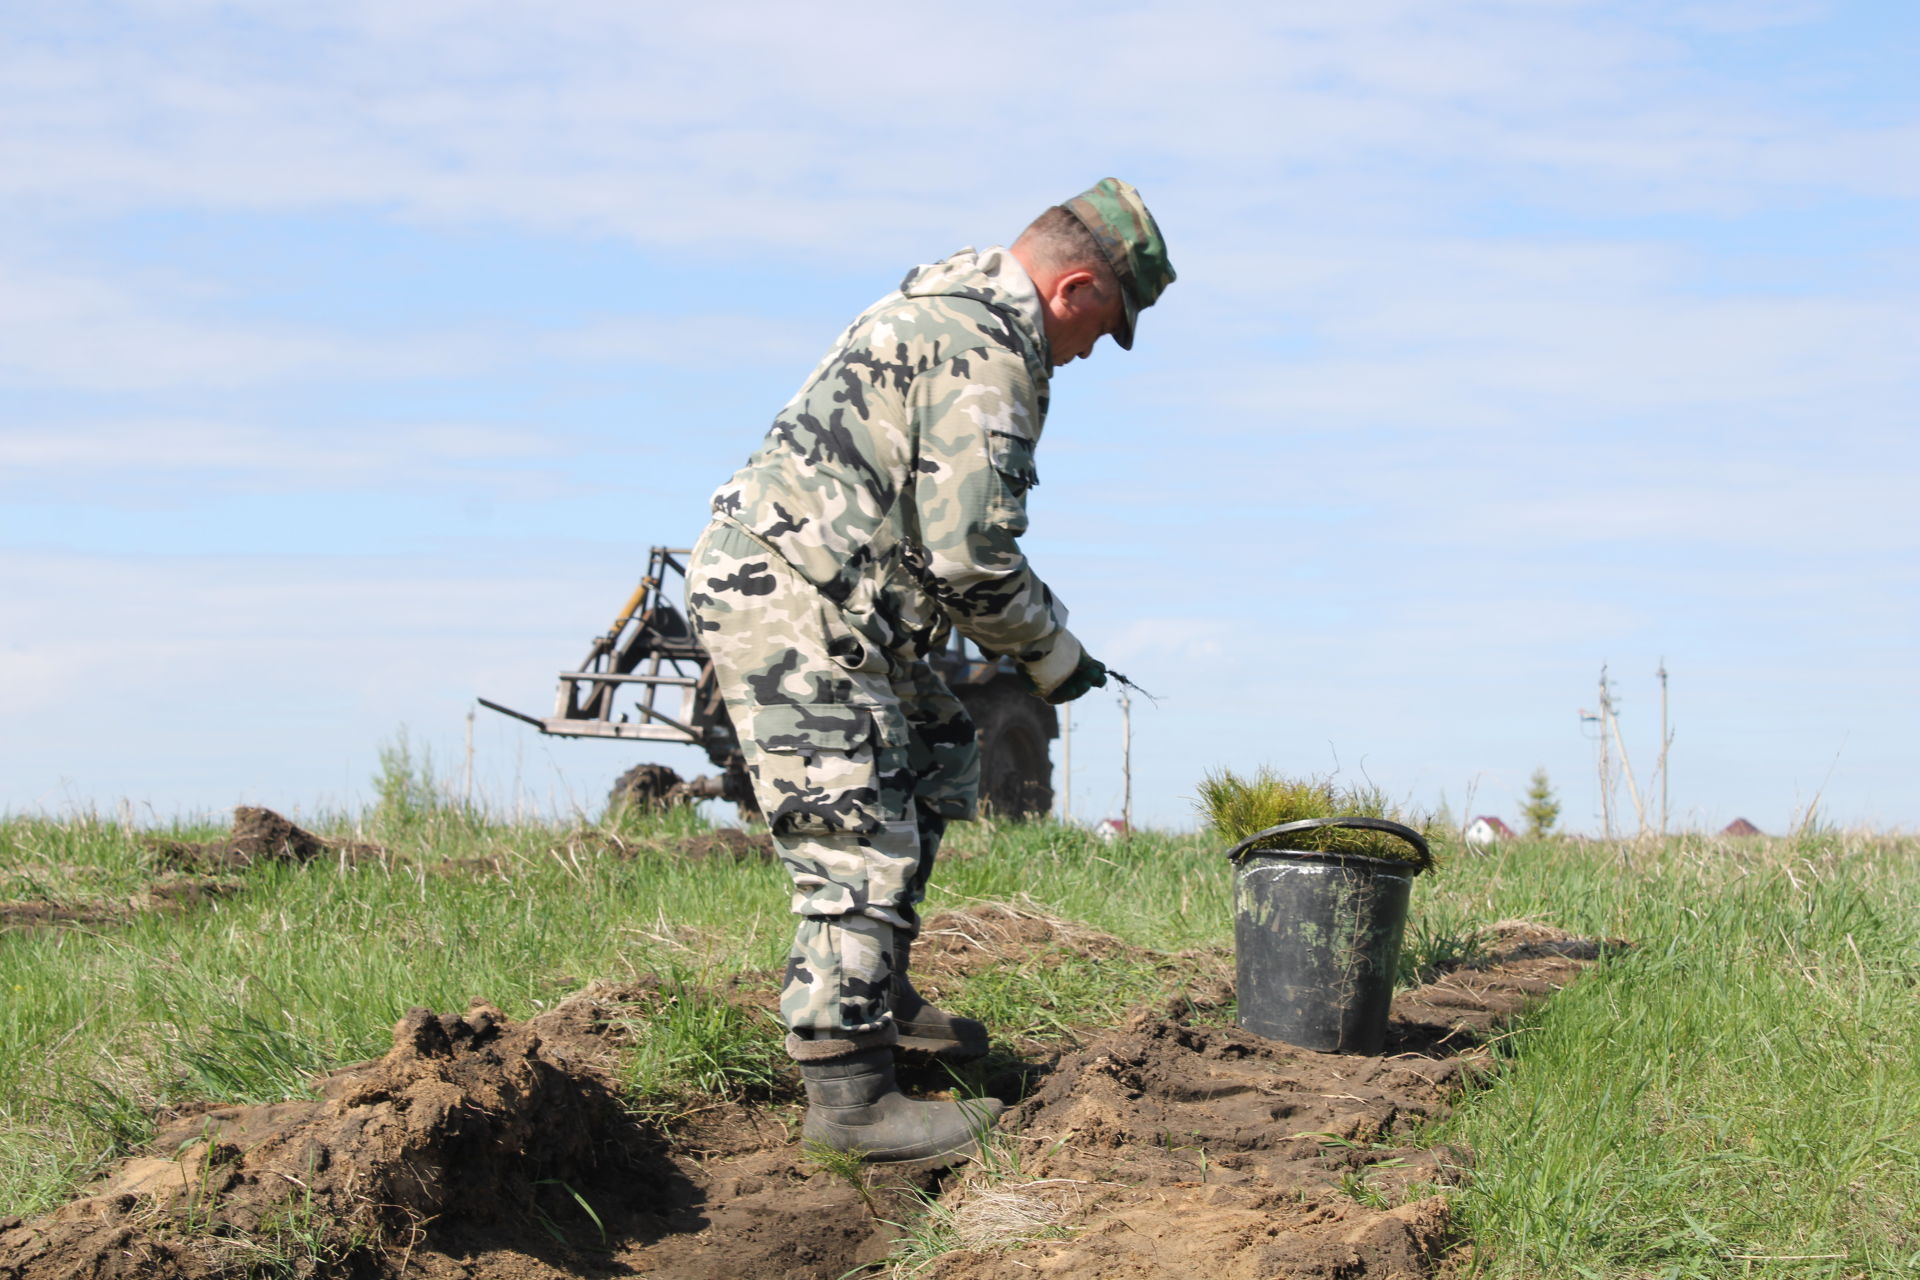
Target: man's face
x: 1079, y: 314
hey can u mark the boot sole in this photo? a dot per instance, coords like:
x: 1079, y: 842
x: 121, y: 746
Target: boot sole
x: 986, y: 1120
x: 929, y: 1164
x: 917, y: 1164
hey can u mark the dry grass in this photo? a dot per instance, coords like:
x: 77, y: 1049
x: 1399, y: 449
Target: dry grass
x: 998, y: 1217
x: 989, y: 1207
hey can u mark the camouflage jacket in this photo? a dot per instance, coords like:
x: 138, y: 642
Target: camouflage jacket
x: 895, y: 481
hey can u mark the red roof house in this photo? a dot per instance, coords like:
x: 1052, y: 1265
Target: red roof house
x: 1487, y: 828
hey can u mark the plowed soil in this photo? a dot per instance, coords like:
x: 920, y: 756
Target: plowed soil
x: 1175, y: 1145
x: 192, y: 873
x: 168, y: 893
x: 188, y: 874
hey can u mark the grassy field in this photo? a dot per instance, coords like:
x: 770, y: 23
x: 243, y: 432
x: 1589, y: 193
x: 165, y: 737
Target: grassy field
x: 1738, y: 1094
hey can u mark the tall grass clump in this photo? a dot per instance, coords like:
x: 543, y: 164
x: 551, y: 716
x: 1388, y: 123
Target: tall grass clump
x: 413, y: 802
x: 695, y: 1042
x: 1238, y: 807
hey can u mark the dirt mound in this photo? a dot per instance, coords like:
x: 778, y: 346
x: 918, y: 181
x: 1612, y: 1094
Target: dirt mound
x: 392, y: 1148
x: 480, y: 867
x: 1173, y: 1146
x: 259, y: 835
x: 722, y: 842
x: 1525, y: 962
x: 42, y: 915
x: 1512, y: 940
x: 474, y: 1147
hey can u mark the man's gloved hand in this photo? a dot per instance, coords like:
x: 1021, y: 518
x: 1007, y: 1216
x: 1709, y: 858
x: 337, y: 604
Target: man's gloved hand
x: 1045, y: 671
x: 1085, y: 678
x: 1091, y: 674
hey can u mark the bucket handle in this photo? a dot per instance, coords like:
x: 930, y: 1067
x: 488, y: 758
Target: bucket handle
x: 1406, y: 833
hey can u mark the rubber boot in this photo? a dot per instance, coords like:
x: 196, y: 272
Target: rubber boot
x: 854, y: 1104
x: 925, y: 1028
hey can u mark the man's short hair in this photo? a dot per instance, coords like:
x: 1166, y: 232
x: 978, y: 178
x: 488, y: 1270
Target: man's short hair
x: 1058, y: 241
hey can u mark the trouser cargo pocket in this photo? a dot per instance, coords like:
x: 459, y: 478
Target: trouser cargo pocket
x: 819, y: 769
x: 833, y: 783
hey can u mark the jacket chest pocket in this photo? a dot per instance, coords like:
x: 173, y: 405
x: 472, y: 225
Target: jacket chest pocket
x: 1012, y: 457
x: 1007, y: 483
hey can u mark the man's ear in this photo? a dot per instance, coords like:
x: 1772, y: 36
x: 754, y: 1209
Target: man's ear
x: 1073, y: 286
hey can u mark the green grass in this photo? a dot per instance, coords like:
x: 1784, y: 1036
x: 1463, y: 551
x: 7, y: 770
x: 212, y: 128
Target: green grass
x: 244, y: 998
x: 695, y: 1044
x: 70, y: 863
x: 1740, y: 1091
x: 1743, y: 1084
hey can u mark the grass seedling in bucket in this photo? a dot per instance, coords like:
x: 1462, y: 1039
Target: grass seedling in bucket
x: 1321, y: 882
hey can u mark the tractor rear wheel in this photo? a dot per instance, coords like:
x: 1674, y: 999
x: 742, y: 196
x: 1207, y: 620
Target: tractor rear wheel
x: 1015, y: 728
x: 646, y: 787
x: 737, y: 785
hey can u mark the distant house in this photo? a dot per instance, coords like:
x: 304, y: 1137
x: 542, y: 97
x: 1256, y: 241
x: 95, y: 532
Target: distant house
x: 1741, y: 827
x: 1110, y: 828
x: 1487, y: 829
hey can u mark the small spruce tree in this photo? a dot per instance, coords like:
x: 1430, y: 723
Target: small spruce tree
x: 1542, y: 807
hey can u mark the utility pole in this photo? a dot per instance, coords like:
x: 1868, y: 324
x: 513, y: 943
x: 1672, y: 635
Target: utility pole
x: 1066, y: 766
x: 466, y: 779
x: 1626, y: 767
x: 1606, y: 761
x: 1126, y: 760
x: 1666, y: 740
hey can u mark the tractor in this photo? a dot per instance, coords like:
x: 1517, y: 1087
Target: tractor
x: 647, y: 679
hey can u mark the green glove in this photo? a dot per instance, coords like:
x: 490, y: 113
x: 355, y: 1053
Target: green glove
x: 1091, y: 674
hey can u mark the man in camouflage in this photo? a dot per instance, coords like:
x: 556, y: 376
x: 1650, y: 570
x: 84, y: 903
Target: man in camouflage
x: 883, y: 508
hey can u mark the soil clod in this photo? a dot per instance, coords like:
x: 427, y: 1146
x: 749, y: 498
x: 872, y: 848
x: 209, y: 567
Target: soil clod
x: 258, y: 835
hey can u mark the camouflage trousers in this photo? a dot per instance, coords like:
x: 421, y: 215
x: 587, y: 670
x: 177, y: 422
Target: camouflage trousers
x: 859, y: 757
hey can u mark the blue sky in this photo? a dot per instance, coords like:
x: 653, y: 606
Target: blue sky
x: 352, y: 356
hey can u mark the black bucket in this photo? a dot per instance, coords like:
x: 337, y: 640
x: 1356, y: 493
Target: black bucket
x: 1317, y: 938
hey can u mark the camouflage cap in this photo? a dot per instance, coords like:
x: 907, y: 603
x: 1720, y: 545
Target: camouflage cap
x: 1113, y: 212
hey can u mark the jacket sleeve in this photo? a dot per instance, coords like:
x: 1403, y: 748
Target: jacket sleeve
x: 978, y: 419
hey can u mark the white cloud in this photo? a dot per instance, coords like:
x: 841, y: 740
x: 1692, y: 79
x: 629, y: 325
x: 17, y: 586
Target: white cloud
x: 769, y: 126
x: 702, y: 342
x: 1530, y: 340
x: 1750, y: 15
x: 84, y: 329
x: 199, y: 682
x: 1170, y: 639
x: 1584, y: 444
x: 168, y: 451
x: 1798, y: 512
